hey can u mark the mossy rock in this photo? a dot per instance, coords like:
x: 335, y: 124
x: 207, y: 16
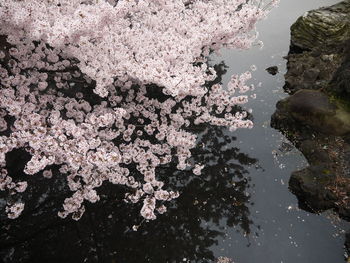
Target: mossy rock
x: 340, y: 84
x: 314, y: 152
x: 314, y: 108
x: 326, y: 28
x: 310, y: 185
x: 311, y: 70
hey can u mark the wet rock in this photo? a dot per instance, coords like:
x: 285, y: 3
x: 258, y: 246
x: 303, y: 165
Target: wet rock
x: 327, y: 58
x: 272, y: 70
x: 342, y: 79
x: 310, y: 102
x: 340, y: 84
x: 325, y: 28
x: 310, y: 75
x: 319, y: 40
x: 286, y: 147
x: 305, y: 71
x: 313, y: 108
x: 347, y: 246
x: 310, y: 186
x: 314, y: 153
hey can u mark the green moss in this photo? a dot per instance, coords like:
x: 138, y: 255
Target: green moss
x: 326, y: 171
x: 341, y: 103
x: 325, y: 180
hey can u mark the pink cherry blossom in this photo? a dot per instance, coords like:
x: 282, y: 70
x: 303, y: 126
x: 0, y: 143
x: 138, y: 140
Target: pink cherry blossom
x: 76, y: 91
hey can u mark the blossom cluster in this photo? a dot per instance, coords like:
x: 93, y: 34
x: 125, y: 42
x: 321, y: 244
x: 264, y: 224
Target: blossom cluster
x: 139, y: 40
x: 57, y: 50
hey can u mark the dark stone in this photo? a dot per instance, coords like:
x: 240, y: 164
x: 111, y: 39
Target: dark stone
x: 347, y: 245
x: 310, y: 102
x: 310, y: 187
x: 341, y: 79
x: 286, y: 147
x: 313, y: 108
x: 311, y: 75
x: 296, y: 71
x: 313, y: 152
x: 272, y: 70
x: 307, y: 71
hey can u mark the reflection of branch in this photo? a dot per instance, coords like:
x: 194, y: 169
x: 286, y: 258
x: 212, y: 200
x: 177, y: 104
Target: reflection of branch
x: 94, y: 238
x: 67, y: 69
x: 268, y: 5
x: 180, y: 232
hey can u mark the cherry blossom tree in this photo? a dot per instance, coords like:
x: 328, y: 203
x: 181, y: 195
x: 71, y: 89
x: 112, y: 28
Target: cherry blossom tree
x: 96, y: 87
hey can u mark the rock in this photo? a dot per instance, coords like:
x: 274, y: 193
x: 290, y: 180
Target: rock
x: 272, y: 70
x: 314, y: 153
x: 319, y: 40
x: 310, y: 187
x: 342, y: 79
x: 305, y: 71
x: 310, y: 75
x: 327, y: 58
x: 325, y: 28
x: 347, y: 245
x: 313, y: 108
x: 310, y: 102
x: 340, y: 84
x: 286, y: 147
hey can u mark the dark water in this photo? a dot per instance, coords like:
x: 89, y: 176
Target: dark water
x: 286, y: 233
x: 240, y: 207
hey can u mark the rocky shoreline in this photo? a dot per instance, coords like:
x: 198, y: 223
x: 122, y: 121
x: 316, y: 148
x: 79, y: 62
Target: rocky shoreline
x: 316, y: 115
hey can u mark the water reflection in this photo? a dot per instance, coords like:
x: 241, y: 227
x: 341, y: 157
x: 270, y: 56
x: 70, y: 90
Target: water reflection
x: 193, y: 223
